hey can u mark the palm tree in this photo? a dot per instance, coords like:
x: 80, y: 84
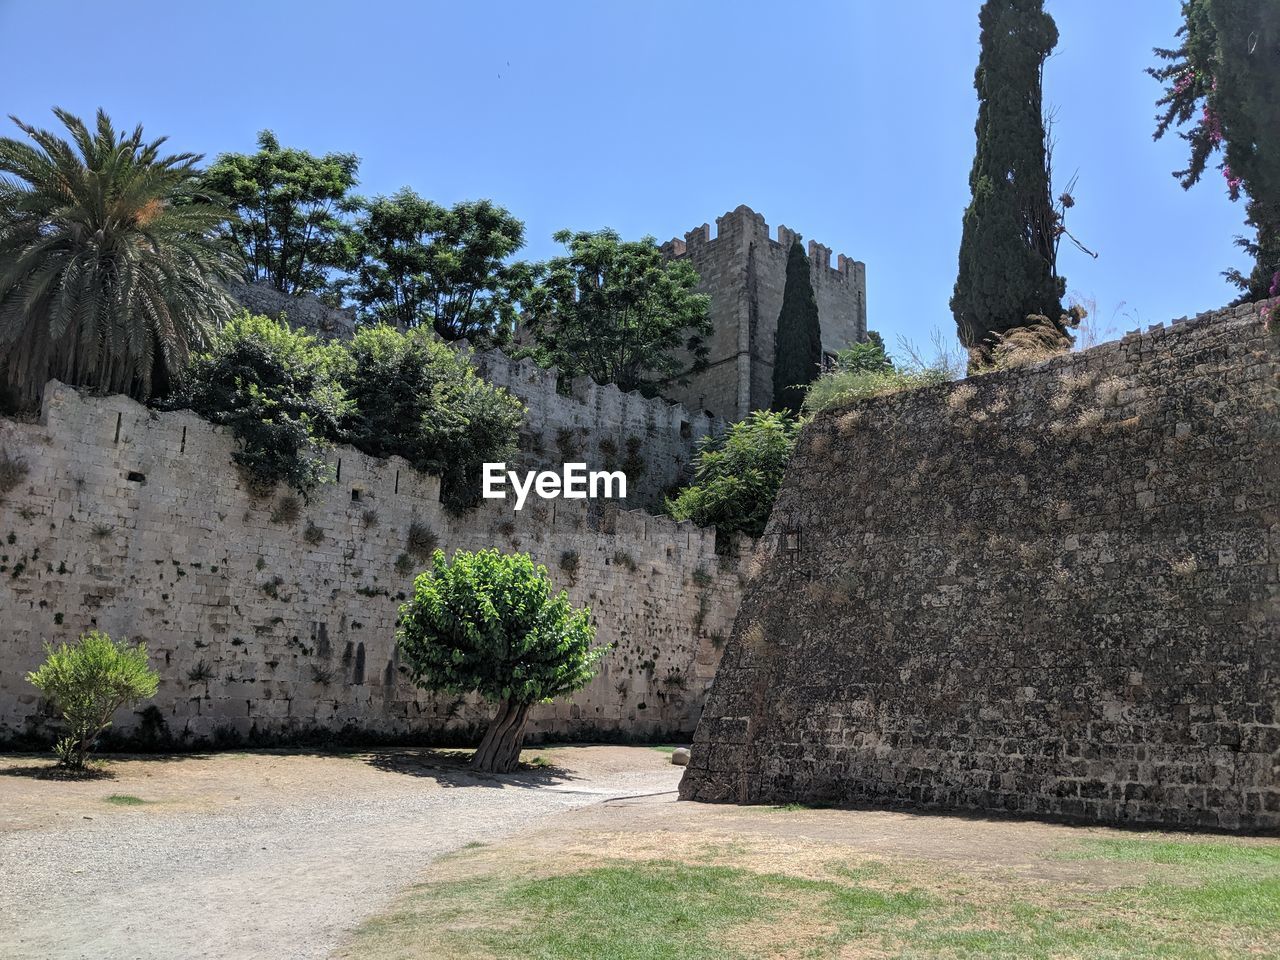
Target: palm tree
x: 112, y: 262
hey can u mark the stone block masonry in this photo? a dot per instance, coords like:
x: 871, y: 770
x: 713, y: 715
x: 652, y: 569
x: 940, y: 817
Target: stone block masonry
x: 1049, y: 591
x: 744, y: 270
x: 652, y: 440
x: 274, y: 619
x: 307, y: 312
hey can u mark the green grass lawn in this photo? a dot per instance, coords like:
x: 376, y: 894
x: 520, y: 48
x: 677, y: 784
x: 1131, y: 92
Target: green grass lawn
x: 1187, y: 900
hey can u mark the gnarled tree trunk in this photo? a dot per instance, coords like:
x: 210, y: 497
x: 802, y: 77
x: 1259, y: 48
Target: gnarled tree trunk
x: 499, y: 751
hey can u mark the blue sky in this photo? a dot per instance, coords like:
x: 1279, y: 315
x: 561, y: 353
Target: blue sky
x: 851, y: 122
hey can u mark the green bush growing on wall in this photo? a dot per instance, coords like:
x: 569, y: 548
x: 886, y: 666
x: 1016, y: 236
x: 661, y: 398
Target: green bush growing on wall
x: 275, y: 388
x: 416, y: 398
x: 865, y: 370
x: 287, y: 397
x: 736, y: 477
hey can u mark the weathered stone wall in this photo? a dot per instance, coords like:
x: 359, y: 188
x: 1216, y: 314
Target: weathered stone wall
x: 265, y: 623
x: 306, y: 312
x: 745, y: 270
x: 651, y: 440
x: 1048, y: 591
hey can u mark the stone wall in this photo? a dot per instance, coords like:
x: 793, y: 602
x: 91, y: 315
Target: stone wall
x: 275, y: 618
x: 1052, y: 591
x: 651, y: 440
x: 744, y: 270
x: 306, y: 312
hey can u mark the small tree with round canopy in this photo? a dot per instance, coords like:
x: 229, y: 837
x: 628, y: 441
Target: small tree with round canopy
x: 490, y: 623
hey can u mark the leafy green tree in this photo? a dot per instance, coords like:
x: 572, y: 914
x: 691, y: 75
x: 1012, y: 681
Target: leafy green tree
x: 417, y: 398
x: 89, y: 681
x: 869, y: 356
x: 291, y: 208
x: 736, y: 477
x: 111, y: 263
x: 421, y: 264
x: 490, y: 623
x: 1224, y: 80
x: 1008, y: 250
x: 798, y: 358
x: 275, y: 388
x: 619, y: 312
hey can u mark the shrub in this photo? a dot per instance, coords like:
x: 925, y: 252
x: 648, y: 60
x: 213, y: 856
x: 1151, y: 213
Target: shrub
x: 287, y: 511
x: 490, y: 623
x: 864, y: 371
x: 89, y: 681
x: 416, y: 398
x: 869, y: 355
x: 200, y: 673
x: 736, y: 477
x: 569, y: 563
x: 420, y: 542
x: 13, y: 470
x: 274, y: 387
x: 1027, y: 345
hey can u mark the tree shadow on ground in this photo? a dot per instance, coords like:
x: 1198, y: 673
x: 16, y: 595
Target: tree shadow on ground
x: 449, y: 769
x: 54, y: 771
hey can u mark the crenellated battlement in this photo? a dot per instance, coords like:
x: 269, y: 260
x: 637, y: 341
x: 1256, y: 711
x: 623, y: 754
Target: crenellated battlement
x: 534, y: 384
x: 744, y: 223
x: 307, y: 312
x: 743, y: 268
x: 138, y: 522
x: 652, y: 439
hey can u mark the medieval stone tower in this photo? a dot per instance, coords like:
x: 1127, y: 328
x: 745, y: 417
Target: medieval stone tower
x: 744, y: 270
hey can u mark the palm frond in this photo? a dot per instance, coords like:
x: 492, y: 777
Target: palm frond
x: 113, y: 261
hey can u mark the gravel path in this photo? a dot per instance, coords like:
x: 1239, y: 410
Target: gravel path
x: 278, y: 879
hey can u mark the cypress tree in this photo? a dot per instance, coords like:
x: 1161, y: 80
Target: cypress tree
x: 1008, y: 250
x: 798, y: 355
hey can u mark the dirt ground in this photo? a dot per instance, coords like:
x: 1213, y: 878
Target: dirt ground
x: 974, y: 865
x: 33, y: 794
x: 293, y: 854
x: 772, y: 837
x: 260, y: 854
